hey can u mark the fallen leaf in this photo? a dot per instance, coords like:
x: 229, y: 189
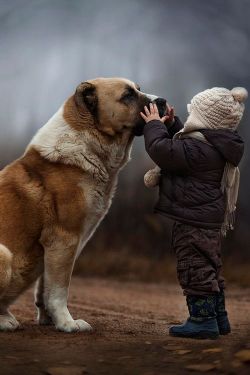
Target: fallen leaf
x: 243, y: 355
x: 203, y: 367
x: 173, y: 348
x: 183, y: 351
x: 236, y: 363
x: 216, y: 362
x: 212, y: 350
x: 74, y: 370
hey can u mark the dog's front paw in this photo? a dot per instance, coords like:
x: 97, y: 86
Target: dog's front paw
x: 74, y: 326
x: 83, y: 326
x: 8, y: 322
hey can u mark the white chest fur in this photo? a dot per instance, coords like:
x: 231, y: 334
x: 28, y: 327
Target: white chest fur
x: 100, y: 161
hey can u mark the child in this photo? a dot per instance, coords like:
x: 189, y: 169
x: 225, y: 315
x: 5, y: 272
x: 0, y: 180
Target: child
x: 199, y: 181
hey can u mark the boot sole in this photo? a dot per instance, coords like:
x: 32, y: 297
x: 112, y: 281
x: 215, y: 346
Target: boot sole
x: 204, y: 335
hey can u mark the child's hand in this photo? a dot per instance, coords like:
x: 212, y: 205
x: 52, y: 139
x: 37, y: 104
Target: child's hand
x: 152, y: 114
x: 169, y: 118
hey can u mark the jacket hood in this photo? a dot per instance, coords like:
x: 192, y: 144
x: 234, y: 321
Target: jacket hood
x: 227, y: 142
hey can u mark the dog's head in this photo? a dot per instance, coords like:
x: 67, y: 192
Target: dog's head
x: 114, y: 104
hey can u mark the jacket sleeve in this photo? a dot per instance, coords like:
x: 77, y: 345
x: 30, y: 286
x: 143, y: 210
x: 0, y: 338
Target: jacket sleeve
x: 175, y: 127
x: 165, y: 152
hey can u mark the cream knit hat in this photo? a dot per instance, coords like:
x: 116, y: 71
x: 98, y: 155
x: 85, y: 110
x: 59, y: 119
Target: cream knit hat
x: 217, y: 108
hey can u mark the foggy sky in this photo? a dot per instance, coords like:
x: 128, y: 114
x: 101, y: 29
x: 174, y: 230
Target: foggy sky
x: 172, y: 48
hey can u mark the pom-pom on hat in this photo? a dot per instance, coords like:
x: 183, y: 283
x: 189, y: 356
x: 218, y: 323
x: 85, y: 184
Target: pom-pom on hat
x: 219, y: 108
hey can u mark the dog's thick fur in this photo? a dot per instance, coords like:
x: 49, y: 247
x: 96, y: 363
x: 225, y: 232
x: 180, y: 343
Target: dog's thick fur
x: 56, y: 194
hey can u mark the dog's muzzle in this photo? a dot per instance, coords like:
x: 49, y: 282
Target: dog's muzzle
x: 162, y: 108
x: 160, y: 102
x: 161, y: 105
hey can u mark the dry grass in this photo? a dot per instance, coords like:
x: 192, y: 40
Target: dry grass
x: 237, y: 272
x: 124, y: 265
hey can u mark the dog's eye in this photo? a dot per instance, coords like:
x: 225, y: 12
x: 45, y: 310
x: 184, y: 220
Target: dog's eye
x: 128, y: 96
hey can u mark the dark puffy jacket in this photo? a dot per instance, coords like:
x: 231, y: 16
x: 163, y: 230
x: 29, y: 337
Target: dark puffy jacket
x: 191, y: 172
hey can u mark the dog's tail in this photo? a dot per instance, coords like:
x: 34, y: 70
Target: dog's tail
x: 5, y: 268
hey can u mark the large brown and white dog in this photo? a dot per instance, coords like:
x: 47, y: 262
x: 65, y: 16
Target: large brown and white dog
x: 56, y: 194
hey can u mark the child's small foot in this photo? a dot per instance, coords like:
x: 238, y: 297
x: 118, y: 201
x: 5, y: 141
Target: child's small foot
x: 223, y: 324
x: 207, y: 329
x: 222, y: 317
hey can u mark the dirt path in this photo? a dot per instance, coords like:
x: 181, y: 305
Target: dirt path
x: 130, y: 337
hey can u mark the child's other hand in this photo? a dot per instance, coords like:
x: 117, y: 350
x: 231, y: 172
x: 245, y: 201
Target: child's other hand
x: 152, y: 114
x: 169, y: 118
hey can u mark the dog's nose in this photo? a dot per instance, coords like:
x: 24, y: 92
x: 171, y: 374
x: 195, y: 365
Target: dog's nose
x: 160, y: 102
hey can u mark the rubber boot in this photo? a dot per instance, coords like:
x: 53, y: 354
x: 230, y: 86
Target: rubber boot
x: 202, y: 323
x: 222, y: 317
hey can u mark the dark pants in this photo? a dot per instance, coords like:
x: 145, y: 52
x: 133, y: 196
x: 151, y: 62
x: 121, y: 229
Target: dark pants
x: 198, y: 253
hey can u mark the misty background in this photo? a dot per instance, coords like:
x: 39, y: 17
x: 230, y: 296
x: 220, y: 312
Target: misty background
x: 172, y: 48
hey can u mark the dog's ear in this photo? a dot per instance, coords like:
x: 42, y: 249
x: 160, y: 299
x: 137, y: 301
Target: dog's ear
x: 86, y: 95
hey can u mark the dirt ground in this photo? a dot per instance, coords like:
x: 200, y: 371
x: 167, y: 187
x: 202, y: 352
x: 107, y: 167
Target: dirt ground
x: 130, y: 336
